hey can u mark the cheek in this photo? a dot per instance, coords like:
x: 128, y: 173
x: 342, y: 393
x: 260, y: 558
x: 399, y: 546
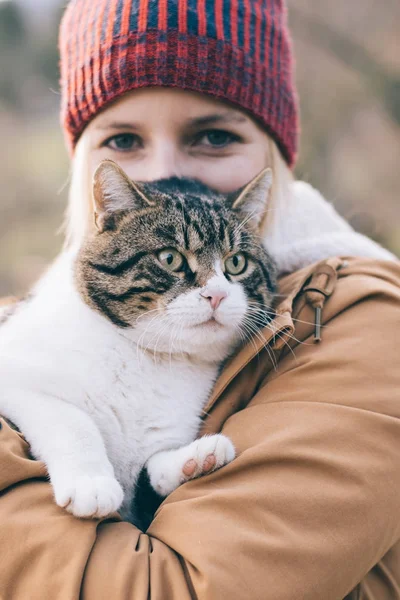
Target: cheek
x: 187, y: 304
x: 132, y: 167
x: 95, y: 158
x: 234, y: 307
x: 230, y: 173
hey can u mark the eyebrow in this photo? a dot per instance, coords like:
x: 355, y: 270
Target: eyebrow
x: 216, y: 118
x: 205, y: 121
x: 117, y: 125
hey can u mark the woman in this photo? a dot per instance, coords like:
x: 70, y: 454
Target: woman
x: 310, y: 507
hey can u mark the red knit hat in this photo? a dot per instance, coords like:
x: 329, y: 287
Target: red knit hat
x: 234, y: 50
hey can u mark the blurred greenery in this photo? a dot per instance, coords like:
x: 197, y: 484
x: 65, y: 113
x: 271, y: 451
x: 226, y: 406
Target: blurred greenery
x: 348, y: 75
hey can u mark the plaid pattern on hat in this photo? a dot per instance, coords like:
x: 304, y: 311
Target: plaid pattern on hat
x: 234, y: 50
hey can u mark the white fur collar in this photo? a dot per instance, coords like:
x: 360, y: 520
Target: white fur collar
x: 308, y: 229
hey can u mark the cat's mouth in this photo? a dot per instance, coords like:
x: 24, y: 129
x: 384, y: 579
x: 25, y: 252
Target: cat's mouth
x: 211, y: 323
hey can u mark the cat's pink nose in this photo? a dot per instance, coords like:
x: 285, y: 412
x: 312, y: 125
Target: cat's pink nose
x: 214, y: 296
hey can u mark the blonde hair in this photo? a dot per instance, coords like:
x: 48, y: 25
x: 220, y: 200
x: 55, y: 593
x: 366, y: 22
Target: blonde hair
x: 282, y: 177
x: 80, y: 202
x: 79, y: 214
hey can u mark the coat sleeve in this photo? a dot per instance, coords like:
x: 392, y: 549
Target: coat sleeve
x: 307, y: 508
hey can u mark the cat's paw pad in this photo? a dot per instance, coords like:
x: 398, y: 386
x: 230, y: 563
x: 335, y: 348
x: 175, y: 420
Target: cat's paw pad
x: 89, y: 496
x: 168, y: 470
x: 209, y: 453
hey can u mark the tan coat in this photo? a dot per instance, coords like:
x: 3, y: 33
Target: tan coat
x: 310, y: 508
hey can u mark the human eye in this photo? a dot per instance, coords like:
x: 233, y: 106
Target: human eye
x: 123, y: 142
x: 216, y: 138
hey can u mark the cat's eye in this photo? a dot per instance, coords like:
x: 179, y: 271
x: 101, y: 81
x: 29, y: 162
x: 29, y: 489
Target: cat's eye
x: 236, y: 264
x: 171, y: 259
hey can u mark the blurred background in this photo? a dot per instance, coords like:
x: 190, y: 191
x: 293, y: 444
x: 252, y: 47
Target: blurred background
x: 348, y: 75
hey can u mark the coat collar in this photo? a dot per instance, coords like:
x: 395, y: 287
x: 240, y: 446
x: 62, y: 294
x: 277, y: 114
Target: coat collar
x: 306, y: 228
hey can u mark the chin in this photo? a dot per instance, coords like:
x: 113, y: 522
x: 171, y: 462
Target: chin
x: 202, y: 336
x: 211, y: 342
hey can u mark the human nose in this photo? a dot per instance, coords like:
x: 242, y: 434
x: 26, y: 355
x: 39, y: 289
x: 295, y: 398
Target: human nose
x: 166, y: 161
x: 214, y: 296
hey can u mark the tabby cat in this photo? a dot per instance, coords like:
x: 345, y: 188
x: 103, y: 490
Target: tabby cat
x: 108, y: 365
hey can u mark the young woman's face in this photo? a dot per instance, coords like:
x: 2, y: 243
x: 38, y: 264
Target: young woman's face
x: 160, y: 132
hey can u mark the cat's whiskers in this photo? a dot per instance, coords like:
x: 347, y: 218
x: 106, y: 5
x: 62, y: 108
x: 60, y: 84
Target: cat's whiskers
x: 171, y: 343
x: 255, y: 332
x: 158, y: 317
x: 249, y: 337
x: 173, y: 326
x: 239, y: 227
x: 148, y: 312
x: 283, y: 338
x: 143, y: 334
x: 148, y: 325
x: 176, y: 327
x: 166, y: 322
x: 251, y: 331
x: 270, y: 324
x: 243, y: 338
x: 274, y: 329
x: 242, y: 224
x: 180, y: 340
x: 258, y: 318
x: 140, y: 349
x: 268, y: 310
x: 257, y: 322
x: 158, y: 336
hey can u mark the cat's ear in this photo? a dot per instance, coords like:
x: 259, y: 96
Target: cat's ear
x: 253, y: 200
x: 114, y: 192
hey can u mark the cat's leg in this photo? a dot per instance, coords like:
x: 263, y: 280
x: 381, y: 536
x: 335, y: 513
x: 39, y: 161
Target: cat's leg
x: 170, y: 468
x: 68, y: 441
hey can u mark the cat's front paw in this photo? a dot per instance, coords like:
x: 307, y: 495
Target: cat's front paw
x: 169, y: 469
x: 88, y: 496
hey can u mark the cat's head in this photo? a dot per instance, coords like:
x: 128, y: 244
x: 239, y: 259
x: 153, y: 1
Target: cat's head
x: 178, y: 266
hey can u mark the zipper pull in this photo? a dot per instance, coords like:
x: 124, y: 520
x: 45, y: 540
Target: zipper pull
x: 318, y: 320
x: 316, y: 299
x: 319, y: 288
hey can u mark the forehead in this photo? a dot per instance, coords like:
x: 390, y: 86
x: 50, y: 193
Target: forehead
x: 171, y: 107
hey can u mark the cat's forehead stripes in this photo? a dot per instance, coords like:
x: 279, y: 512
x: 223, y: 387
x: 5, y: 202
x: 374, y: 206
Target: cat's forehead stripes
x: 194, y: 224
x: 192, y: 262
x: 206, y: 224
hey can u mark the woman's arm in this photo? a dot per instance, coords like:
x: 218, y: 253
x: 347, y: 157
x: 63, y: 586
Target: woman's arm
x: 310, y: 505
x: 48, y: 554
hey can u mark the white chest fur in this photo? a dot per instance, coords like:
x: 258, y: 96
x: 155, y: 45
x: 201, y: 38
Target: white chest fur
x: 147, y: 404
x: 86, y: 396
